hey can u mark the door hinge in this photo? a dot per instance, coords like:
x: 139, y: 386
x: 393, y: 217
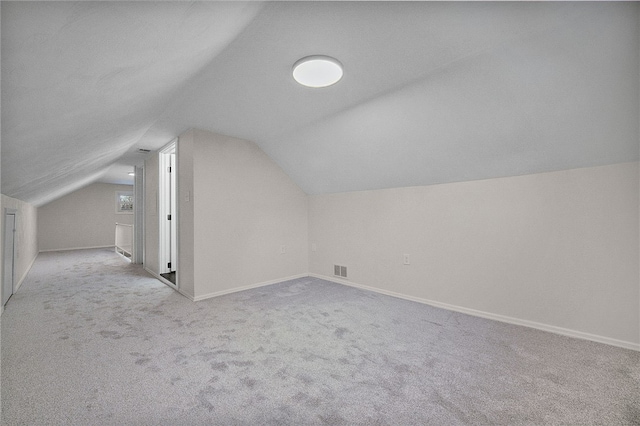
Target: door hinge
x: 168, y: 217
x: 169, y: 169
x: 169, y: 265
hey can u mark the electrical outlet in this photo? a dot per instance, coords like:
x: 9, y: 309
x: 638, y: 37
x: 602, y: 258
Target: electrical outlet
x: 283, y: 249
x: 406, y: 259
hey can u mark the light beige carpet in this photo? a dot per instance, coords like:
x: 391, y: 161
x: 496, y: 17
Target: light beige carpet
x: 90, y: 339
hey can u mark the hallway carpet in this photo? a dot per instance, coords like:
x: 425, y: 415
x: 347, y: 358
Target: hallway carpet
x: 91, y: 340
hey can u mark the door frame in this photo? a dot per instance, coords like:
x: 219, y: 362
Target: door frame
x: 9, y: 211
x: 164, y: 189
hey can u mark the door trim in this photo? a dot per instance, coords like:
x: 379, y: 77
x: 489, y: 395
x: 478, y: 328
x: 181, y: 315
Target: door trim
x: 164, y: 234
x: 7, y: 212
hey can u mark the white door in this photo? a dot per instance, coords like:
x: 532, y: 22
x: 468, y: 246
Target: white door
x: 167, y: 199
x: 166, y: 219
x: 9, y: 244
x: 172, y: 208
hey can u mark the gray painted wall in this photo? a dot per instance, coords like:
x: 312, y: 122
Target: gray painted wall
x: 26, y: 239
x: 245, y: 208
x: 151, y: 223
x: 184, y: 159
x: 560, y: 248
x: 85, y: 218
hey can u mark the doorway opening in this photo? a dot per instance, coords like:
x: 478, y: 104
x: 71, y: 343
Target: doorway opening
x: 167, y: 197
x: 9, y: 254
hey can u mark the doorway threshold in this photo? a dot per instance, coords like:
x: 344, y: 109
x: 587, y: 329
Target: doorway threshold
x: 170, y: 276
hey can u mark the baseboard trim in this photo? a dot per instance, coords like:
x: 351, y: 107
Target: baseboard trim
x: 21, y: 280
x: 488, y: 315
x: 77, y: 248
x: 247, y: 287
x: 185, y: 294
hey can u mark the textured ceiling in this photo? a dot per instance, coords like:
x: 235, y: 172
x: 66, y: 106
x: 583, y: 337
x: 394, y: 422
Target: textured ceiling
x: 82, y: 82
x: 432, y: 92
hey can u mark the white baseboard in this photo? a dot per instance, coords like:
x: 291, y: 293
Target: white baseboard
x: 247, y: 287
x: 488, y: 315
x: 77, y: 248
x: 21, y: 280
x: 185, y: 294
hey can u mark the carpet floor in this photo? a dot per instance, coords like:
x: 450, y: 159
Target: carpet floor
x: 90, y: 339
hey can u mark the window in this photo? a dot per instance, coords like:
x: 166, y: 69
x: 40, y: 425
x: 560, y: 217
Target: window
x: 124, y: 202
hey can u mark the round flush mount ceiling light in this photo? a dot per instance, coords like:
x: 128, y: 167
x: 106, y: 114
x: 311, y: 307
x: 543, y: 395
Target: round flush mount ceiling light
x: 317, y: 71
x: 132, y: 174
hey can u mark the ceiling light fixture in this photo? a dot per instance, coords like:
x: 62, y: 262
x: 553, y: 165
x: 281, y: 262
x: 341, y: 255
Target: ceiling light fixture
x: 132, y: 174
x: 317, y: 71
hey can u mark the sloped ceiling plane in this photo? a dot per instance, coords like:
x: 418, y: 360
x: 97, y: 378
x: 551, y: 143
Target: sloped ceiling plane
x: 432, y: 92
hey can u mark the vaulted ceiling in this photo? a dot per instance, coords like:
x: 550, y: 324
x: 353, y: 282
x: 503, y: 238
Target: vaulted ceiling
x: 432, y: 92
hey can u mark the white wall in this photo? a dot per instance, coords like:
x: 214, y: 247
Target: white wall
x: 151, y: 223
x: 85, y: 218
x: 26, y: 237
x: 184, y: 159
x: 244, y: 209
x: 560, y: 249
x: 1, y: 245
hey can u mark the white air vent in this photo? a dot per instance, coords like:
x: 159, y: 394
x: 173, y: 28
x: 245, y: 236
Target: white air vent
x: 340, y: 271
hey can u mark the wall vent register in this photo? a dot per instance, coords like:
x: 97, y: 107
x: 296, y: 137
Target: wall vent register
x: 340, y: 271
